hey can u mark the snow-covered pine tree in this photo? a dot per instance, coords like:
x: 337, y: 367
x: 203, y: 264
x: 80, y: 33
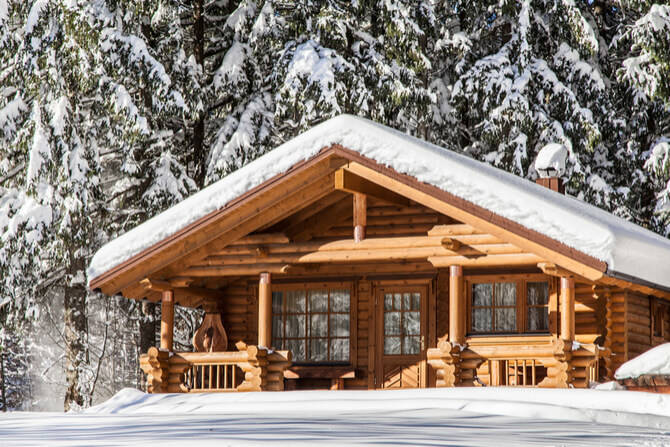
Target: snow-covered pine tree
x: 369, y: 58
x: 530, y: 75
x: 50, y: 172
x: 643, y: 48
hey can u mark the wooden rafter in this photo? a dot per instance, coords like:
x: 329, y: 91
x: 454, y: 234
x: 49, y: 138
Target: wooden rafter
x: 348, y: 181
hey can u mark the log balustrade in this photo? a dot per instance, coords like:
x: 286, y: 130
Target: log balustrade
x: 549, y: 363
x: 251, y: 368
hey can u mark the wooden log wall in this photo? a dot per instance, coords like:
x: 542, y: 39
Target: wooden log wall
x: 239, y: 311
x: 638, y: 324
x: 589, y: 314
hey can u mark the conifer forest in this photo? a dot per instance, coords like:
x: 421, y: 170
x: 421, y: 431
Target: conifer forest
x: 113, y: 110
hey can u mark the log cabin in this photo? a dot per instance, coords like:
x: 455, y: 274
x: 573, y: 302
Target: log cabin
x: 358, y: 257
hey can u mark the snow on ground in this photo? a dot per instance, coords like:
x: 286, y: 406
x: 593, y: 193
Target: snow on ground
x: 457, y: 416
x: 656, y: 361
x: 625, y: 247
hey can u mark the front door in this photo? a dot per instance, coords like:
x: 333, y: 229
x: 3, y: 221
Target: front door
x: 401, y: 337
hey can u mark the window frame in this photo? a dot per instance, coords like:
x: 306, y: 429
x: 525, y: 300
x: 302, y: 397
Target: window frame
x: 658, y: 314
x: 318, y: 285
x: 522, y: 306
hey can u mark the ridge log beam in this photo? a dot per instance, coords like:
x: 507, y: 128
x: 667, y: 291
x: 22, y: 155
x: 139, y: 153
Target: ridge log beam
x: 347, y: 181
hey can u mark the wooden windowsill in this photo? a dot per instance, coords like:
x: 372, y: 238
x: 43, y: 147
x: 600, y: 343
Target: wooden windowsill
x: 320, y: 372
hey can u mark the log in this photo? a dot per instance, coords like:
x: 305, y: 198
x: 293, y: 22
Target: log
x: 486, y: 260
x: 453, y: 230
x: 236, y: 270
x: 167, y: 320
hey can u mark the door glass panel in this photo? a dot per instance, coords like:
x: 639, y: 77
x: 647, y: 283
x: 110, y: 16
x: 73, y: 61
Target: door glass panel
x: 392, y: 323
x: 392, y: 346
x: 397, y: 301
x: 406, y: 300
x: 416, y: 301
x: 411, y: 345
x: 388, y: 301
x: 412, y: 323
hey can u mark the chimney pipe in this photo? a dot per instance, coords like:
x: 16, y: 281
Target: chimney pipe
x: 553, y: 183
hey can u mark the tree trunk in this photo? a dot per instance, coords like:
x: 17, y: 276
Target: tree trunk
x: 76, y: 338
x: 199, y: 160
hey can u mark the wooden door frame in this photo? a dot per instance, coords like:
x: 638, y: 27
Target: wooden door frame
x: 426, y: 287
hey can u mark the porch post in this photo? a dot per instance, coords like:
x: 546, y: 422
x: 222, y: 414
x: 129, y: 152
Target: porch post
x: 567, y: 308
x: 360, y: 216
x: 167, y: 320
x: 456, y: 305
x: 265, y: 310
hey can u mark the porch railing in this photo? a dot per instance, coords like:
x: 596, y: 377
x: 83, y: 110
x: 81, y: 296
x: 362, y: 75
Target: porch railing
x: 249, y: 369
x: 539, y: 363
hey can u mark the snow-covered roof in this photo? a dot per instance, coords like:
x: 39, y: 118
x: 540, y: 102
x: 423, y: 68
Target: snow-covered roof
x: 654, y: 362
x: 626, y: 248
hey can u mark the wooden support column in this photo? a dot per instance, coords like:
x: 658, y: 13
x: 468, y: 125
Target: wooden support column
x: 456, y: 305
x: 360, y: 216
x: 567, y: 308
x: 167, y: 319
x: 265, y: 310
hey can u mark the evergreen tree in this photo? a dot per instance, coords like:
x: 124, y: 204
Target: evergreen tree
x: 50, y: 168
x: 643, y: 46
x: 531, y: 75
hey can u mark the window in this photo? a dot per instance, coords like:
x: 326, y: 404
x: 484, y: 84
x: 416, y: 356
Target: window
x: 508, y: 306
x: 313, y: 323
x: 402, y: 323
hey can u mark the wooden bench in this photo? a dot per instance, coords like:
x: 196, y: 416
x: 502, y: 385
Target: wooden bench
x: 336, y: 374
